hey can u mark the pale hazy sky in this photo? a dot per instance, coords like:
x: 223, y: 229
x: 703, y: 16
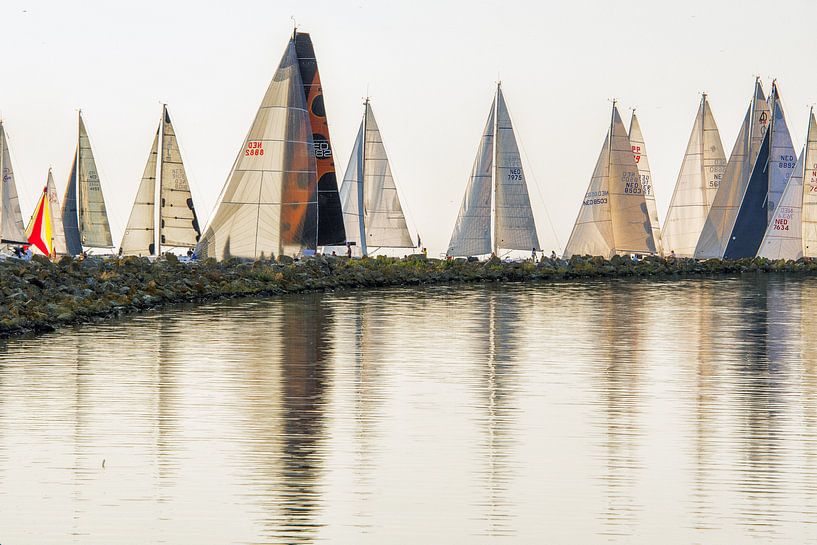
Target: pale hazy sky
x: 430, y: 68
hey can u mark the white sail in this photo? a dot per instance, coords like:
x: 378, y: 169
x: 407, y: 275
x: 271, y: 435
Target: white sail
x: 809, y: 214
x: 12, y: 226
x: 139, y: 238
x: 724, y: 210
x: 632, y: 231
x: 383, y: 215
x: 784, y: 234
x: 782, y: 156
x: 57, y: 233
x: 593, y: 231
x: 643, y: 163
x: 472, y: 231
x: 351, y: 193
x: 94, y: 230
x: 269, y: 203
x: 179, y: 225
x: 514, y: 228
x: 698, y: 181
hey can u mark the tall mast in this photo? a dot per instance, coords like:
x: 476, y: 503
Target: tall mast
x: 157, y: 188
x: 77, y: 184
x: 702, y: 148
x: 360, y: 188
x: 610, y: 165
x: 494, y: 170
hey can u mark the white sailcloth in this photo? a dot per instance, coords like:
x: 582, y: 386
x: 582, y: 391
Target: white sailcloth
x: 179, y: 225
x: 351, y: 193
x: 782, y: 156
x: 593, y: 231
x: 13, y: 230
x: 784, y: 234
x: 57, y: 233
x: 641, y: 159
x: 698, y: 181
x: 139, y: 238
x: 383, y: 215
x: 472, y: 231
x: 94, y: 230
x: 515, y: 228
x: 809, y: 214
x: 632, y: 231
x: 269, y: 203
x: 724, y: 210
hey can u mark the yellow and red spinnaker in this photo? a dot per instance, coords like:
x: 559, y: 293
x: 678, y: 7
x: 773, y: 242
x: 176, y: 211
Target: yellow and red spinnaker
x: 39, y: 231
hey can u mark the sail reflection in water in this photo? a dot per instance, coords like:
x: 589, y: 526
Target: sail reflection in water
x: 621, y: 411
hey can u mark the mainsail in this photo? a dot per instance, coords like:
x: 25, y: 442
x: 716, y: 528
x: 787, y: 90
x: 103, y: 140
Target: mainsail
x: 12, y: 219
x: 84, y: 216
x: 498, y: 164
x: 698, y: 181
x: 269, y: 202
x: 514, y: 226
x: 330, y: 218
x: 176, y: 224
x: 809, y: 213
x: 613, y: 216
x: 371, y: 204
x: 641, y: 159
x: 772, y: 169
x: 784, y: 235
x: 722, y: 214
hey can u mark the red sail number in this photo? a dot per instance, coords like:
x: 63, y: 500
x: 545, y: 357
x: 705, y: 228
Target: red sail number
x: 254, y: 148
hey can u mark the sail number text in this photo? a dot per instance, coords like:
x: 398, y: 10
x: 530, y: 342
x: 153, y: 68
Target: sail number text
x: 254, y: 148
x: 783, y: 218
x: 515, y: 174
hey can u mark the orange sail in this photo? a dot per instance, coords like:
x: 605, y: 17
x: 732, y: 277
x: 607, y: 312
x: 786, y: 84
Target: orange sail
x: 40, y: 229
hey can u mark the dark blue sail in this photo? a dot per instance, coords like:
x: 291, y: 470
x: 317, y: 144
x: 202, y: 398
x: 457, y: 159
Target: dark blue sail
x: 750, y: 225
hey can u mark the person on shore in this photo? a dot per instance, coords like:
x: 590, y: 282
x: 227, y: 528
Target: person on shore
x: 672, y: 254
x: 334, y: 254
x: 533, y: 255
x: 348, y: 250
x: 27, y: 254
x: 553, y: 254
x: 425, y: 251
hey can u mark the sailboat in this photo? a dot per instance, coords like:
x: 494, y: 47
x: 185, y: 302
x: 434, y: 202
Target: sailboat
x: 613, y: 217
x: 640, y: 155
x: 497, y: 170
x: 372, y: 212
x: 173, y: 223
x: 84, y: 217
x: 792, y: 230
x: 281, y: 196
x: 701, y: 172
x: 723, y: 212
x: 45, y: 231
x: 12, y: 219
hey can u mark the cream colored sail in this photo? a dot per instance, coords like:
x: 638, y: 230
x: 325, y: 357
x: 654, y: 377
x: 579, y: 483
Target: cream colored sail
x: 94, y: 230
x: 593, y: 231
x: 782, y: 156
x: 698, y: 181
x: 472, y: 231
x: 643, y: 162
x: 724, y: 210
x: 784, y: 234
x: 809, y: 213
x: 514, y: 226
x: 57, y: 232
x: 632, y: 230
x: 139, y: 235
x: 269, y: 203
x: 12, y: 228
x: 179, y: 226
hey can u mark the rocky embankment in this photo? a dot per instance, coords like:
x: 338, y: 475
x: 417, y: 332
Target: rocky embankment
x: 40, y: 296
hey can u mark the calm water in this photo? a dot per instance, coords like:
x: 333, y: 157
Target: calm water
x: 608, y: 412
